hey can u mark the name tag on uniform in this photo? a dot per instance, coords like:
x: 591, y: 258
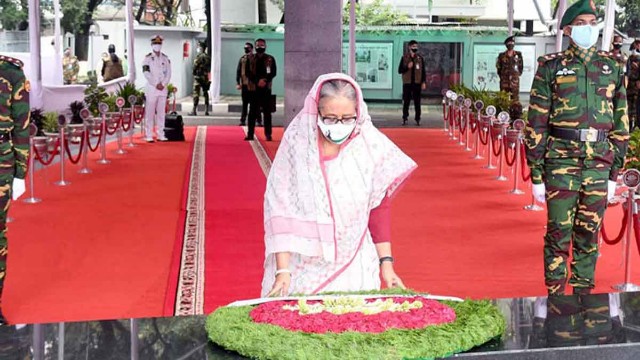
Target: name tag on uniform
x: 268, y: 69
x: 565, y: 79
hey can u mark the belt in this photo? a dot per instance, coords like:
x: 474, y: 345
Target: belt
x: 585, y: 135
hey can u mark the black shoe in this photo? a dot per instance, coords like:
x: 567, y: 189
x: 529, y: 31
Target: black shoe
x: 418, y: 122
x: 242, y: 124
x: 193, y: 113
x: 269, y: 138
x: 206, y: 113
x: 248, y: 138
x: 404, y: 122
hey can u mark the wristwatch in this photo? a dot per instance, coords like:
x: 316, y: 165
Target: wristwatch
x: 386, y: 258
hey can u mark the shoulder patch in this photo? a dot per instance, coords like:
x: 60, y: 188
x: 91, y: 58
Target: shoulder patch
x: 12, y: 61
x: 604, y: 53
x: 548, y: 57
x: 149, y: 54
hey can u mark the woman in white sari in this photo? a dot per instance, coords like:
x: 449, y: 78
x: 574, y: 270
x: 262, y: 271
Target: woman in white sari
x: 327, y: 203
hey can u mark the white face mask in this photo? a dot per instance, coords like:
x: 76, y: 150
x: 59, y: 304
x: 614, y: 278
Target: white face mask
x: 585, y: 36
x: 336, y: 133
x: 156, y: 47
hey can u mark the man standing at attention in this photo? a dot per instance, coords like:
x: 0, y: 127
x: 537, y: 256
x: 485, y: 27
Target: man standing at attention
x: 413, y: 81
x: 243, y: 82
x: 510, y: 66
x: 156, y: 68
x: 201, y: 67
x: 576, y: 140
x: 263, y: 70
x: 70, y: 67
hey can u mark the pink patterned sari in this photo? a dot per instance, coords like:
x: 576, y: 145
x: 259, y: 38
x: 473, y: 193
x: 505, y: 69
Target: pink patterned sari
x: 318, y: 208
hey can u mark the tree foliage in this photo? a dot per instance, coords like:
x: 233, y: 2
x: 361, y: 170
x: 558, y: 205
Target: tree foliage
x: 627, y: 19
x: 73, y: 15
x: 376, y: 13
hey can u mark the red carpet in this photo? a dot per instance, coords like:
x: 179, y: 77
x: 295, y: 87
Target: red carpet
x: 101, y: 247
x: 457, y: 231
x: 234, y: 222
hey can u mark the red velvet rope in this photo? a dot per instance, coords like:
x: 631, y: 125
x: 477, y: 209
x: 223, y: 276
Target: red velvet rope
x: 623, y: 228
x: 523, y: 160
x: 496, y: 153
x: 463, y: 126
x: 138, y: 119
x: 636, y: 230
x: 51, y: 154
x: 486, y: 137
x: 445, y: 114
x: 115, y: 127
x: 458, y: 117
x: 506, y: 156
x: 68, y: 149
x: 473, y: 123
x: 452, y: 114
x: 88, y: 136
x: 126, y: 125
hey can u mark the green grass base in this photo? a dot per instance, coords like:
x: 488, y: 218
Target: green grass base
x: 476, y: 323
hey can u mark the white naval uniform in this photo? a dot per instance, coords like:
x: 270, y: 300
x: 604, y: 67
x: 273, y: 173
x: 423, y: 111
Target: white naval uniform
x: 159, y: 71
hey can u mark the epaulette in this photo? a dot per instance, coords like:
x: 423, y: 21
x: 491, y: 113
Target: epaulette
x: 548, y: 57
x: 605, y: 53
x: 149, y: 54
x: 12, y: 61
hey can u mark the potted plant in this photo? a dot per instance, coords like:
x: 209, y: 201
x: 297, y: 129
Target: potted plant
x: 94, y: 95
x: 37, y: 118
x: 127, y: 90
x: 75, y: 108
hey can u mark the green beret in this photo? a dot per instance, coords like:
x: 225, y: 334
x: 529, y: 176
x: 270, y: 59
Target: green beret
x: 510, y: 39
x: 579, y: 8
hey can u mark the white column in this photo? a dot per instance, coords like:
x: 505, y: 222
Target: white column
x: 216, y: 44
x: 131, y: 57
x: 609, y: 20
x: 562, y: 7
x: 510, y: 16
x: 35, y: 97
x: 57, y: 39
x: 352, y: 39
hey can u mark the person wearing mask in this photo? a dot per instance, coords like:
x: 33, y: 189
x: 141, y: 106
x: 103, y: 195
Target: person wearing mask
x: 243, y: 81
x: 262, y: 71
x: 576, y: 139
x: 327, y: 205
x: 156, y: 68
x: 414, y: 76
x: 70, y: 67
x: 509, y: 67
x: 633, y: 86
x: 201, y: 68
x: 112, y: 65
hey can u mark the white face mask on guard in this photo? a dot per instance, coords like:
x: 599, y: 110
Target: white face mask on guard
x: 336, y: 133
x: 156, y: 47
x: 585, y: 36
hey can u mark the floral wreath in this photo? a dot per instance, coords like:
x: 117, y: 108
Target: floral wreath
x: 256, y: 334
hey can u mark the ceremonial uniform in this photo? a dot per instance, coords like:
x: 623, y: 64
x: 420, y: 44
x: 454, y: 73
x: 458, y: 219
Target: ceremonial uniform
x: 156, y: 68
x: 70, y: 69
x: 412, y: 80
x: 201, y: 67
x: 263, y: 67
x: 576, y: 139
x: 510, y: 68
x: 111, y: 70
x: 247, y: 86
x: 14, y: 142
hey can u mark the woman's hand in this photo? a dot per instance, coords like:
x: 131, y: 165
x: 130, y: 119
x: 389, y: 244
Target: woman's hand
x: 281, y: 285
x: 391, y: 279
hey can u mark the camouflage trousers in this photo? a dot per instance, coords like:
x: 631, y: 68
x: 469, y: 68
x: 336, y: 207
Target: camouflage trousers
x: 6, y: 180
x: 201, y: 84
x: 580, y: 320
x: 511, y: 86
x: 576, y: 201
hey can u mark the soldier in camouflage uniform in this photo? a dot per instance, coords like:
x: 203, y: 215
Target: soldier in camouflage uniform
x: 201, y: 67
x: 70, y: 67
x: 633, y: 86
x: 617, y: 53
x: 14, y: 145
x: 576, y: 140
x: 510, y: 66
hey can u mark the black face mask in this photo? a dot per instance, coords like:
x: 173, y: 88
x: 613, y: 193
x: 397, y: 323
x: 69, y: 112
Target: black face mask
x: 510, y: 47
x: 260, y: 50
x: 414, y: 50
x: 617, y: 46
x: 247, y: 50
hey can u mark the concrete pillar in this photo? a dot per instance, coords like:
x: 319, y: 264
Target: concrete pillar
x: 312, y: 47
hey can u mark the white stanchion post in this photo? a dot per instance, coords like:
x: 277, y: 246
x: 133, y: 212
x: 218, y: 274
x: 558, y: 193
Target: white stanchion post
x: 631, y: 179
x: 518, y: 125
x: 467, y: 104
x: 32, y: 199
x: 103, y: 136
x: 460, y: 118
x: 85, y: 150
x: 62, y: 122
